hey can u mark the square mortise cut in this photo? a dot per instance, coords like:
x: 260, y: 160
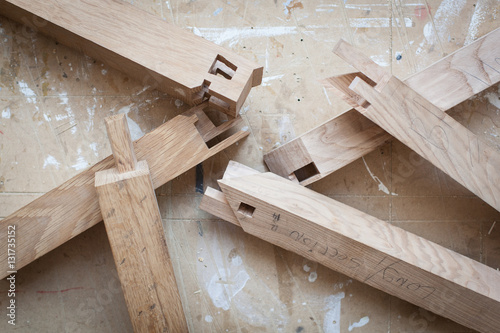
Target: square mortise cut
x: 306, y: 172
x: 222, y: 67
x: 246, y: 210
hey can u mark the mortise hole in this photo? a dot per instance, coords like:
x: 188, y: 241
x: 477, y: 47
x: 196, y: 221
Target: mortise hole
x: 246, y: 210
x: 222, y: 67
x: 306, y: 172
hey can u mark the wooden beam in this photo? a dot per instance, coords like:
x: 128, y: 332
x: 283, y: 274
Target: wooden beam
x: 366, y: 249
x: 214, y: 201
x: 349, y: 136
x: 434, y: 135
x: 73, y: 207
x: 145, y: 47
x: 135, y: 232
x: 422, y: 126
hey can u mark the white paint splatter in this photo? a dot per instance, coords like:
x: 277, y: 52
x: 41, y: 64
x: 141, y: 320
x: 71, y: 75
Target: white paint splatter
x: 236, y: 261
x: 91, y: 112
x: 378, y: 22
x: 135, y: 130
x: 265, y: 81
x: 63, y: 97
x: 222, y: 291
x: 306, y: 268
x: 27, y: 92
x: 209, y: 318
x: 446, y: 17
x: 93, y: 146
x: 330, y: 7
x: 494, y: 98
x: 331, y: 322
x: 81, y: 163
x: 286, y: 5
x: 51, y: 160
x: 104, y: 72
x: 285, y: 128
x: 6, y: 113
x: 217, y: 11
x: 381, y: 186
x: 326, y: 94
x: 230, y: 287
x: 362, y: 322
x: 380, y: 60
x: 234, y: 35
x: 477, y: 19
x: 312, y: 277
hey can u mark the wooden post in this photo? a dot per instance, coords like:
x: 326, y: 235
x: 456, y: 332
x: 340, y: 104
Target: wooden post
x: 366, y: 249
x: 134, y: 226
x: 56, y: 216
x: 121, y: 143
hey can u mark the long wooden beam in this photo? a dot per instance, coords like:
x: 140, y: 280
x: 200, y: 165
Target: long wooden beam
x: 422, y: 126
x: 135, y: 232
x: 434, y: 135
x: 145, y: 47
x: 366, y: 249
x: 349, y: 136
x: 73, y: 207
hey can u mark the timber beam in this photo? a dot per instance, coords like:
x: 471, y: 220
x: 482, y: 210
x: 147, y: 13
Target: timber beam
x: 73, y: 207
x: 349, y: 136
x: 145, y: 47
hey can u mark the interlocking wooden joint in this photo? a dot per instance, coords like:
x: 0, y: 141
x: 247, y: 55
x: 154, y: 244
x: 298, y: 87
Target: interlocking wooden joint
x: 158, y: 54
x: 361, y: 246
x: 135, y: 232
x: 422, y: 126
x: 71, y: 208
x: 349, y: 136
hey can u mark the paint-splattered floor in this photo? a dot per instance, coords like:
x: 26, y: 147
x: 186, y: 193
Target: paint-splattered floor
x: 53, y: 101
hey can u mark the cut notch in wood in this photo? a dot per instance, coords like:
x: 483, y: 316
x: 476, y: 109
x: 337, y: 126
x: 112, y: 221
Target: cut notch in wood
x: 56, y: 217
x: 349, y: 135
x: 157, y: 54
x: 367, y: 249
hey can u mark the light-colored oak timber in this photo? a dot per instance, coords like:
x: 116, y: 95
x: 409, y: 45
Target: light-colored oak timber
x: 134, y: 227
x: 434, y: 135
x: 214, y: 201
x: 121, y: 143
x: 366, y: 249
x: 145, y: 47
x: 349, y: 136
x: 71, y: 208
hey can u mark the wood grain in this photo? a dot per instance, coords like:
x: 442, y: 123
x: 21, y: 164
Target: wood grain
x: 434, y: 135
x: 158, y: 54
x: 214, y: 201
x: 366, y: 249
x: 73, y: 207
x: 349, y: 136
x: 121, y: 143
x: 135, y: 232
